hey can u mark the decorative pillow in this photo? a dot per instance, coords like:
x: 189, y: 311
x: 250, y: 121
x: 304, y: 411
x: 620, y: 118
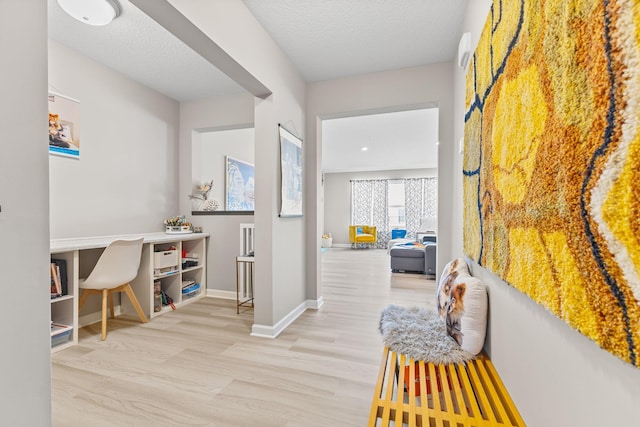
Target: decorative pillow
x: 358, y: 230
x: 398, y: 234
x: 462, y: 305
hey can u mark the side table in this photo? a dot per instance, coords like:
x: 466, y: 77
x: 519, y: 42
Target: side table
x: 247, y: 264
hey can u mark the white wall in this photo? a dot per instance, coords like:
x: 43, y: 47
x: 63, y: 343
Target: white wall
x: 556, y: 376
x: 24, y: 220
x: 207, y: 115
x: 406, y: 89
x: 208, y: 158
x: 126, y: 180
x: 337, y: 197
x: 279, y: 287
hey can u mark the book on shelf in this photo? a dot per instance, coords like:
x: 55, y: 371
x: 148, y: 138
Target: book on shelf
x: 59, y: 277
x: 187, y: 283
x: 56, y: 287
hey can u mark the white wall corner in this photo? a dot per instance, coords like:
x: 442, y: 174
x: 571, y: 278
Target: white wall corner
x: 315, y: 304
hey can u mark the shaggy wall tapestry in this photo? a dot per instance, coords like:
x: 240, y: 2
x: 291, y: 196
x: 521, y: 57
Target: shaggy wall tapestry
x: 552, y: 161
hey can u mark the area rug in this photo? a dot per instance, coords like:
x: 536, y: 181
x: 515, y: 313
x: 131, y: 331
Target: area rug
x: 552, y: 161
x: 419, y: 334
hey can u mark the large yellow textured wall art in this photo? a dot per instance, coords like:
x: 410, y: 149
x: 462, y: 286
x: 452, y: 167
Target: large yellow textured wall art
x: 552, y: 161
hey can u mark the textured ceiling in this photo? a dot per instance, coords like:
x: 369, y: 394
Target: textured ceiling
x: 136, y: 46
x: 327, y: 39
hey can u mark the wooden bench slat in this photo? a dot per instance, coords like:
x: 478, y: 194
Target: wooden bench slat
x: 475, y: 408
x: 386, y: 409
x: 400, y: 393
x: 497, y: 404
x: 419, y: 394
x: 481, y: 395
x: 424, y: 400
x: 446, y: 388
x: 437, y: 413
x: 376, y: 397
x: 457, y: 385
x: 512, y: 412
x: 411, y: 381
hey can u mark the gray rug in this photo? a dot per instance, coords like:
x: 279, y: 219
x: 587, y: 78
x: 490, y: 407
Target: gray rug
x: 419, y: 334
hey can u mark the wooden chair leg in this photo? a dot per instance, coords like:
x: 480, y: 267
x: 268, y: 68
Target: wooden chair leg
x: 134, y: 301
x: 111, y: 312
x: 105, y: 293
x: 83, y: 298
x: 107, y: 303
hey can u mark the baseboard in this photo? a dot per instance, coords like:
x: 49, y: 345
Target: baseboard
x: 216, y: 293
x: 96, y: 317
x: 314, y: 304
x: 341, y: 245
x: 265, y: 331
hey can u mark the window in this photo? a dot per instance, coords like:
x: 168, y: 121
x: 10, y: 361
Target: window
x: 396, y: 204
x: 406, y: 203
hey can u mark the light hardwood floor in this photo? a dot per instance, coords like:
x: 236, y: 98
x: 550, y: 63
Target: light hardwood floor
x: 198, y: 366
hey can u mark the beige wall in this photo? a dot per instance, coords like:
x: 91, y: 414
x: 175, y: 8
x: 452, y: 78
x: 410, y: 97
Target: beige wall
x: 24, y: 219
x: 337, y: 197
x: 279, y: 289
x: 556, y: 376
x: 126, y: 180
x: 224, y: 245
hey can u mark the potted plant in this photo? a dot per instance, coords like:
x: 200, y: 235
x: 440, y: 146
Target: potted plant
x: 177, y: 224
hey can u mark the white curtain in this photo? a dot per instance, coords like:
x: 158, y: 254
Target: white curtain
x: 421, y: 203
x: 369, y: 206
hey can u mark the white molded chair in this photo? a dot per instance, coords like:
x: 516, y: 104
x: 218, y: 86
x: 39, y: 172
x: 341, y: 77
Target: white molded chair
x: 116, y: 267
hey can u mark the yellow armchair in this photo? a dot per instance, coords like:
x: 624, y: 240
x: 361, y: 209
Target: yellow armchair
x: 362, y: 234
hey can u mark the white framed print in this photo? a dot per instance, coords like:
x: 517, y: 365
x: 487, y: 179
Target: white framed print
x: 291, y: 174
x: 64, y: 126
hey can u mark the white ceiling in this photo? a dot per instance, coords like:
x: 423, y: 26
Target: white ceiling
x: 394, y: 141
x: 138, y: 47
x: 325, y: 39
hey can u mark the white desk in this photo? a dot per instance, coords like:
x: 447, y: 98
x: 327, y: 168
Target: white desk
x: 81, y: 254
x: 81, y: 243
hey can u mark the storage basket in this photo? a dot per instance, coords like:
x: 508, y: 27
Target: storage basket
x: 164, y: 259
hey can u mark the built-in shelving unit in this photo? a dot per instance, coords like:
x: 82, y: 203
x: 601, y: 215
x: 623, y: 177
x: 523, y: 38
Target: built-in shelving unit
x: 81, y: 255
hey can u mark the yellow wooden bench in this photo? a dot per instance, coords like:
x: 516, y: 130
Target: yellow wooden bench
x: 470, y: 395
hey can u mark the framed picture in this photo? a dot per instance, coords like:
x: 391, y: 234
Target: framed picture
x: 64, y: 126
x: 291, y: 174
x: 240, y: 184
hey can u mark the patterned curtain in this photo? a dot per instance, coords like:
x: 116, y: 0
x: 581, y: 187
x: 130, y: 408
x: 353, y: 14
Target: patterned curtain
x: 421, y: 202
x: 369, y: 206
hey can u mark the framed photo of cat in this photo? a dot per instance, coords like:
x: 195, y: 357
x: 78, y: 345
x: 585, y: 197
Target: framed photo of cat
x: 64, y: 126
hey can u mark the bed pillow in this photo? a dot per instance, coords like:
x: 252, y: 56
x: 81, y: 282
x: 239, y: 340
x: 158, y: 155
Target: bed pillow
x: 358, y: 230
x: 462, y: 305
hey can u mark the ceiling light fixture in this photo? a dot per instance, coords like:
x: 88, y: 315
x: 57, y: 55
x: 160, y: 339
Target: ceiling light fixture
x: 364, y: 148
x: 92, y: 12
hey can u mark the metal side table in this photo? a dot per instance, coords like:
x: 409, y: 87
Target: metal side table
x: 246, y: 263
